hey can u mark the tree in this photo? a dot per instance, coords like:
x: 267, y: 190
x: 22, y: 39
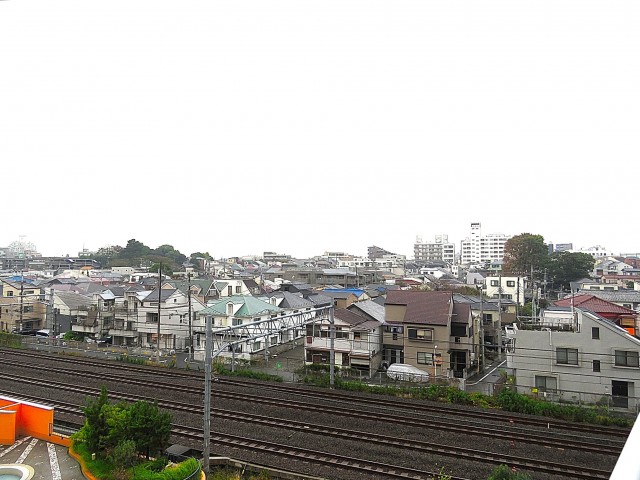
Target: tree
x: 149, y: 427
x: 166, y: 269
x: 108, y: 428
x: 566, y: 267
x: 524, y: 252
x: 135, y: 250
x: 96, y: 429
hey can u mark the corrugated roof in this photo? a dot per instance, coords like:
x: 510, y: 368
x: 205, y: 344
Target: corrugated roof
x: 72, y: 299
x: 370, y: 308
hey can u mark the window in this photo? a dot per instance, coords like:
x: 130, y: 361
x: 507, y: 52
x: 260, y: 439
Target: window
x: 626, y: 359
x: 511, y: 283
x: 236, y: 321
x: 546, y: 384
x: 595, y: 333
x: 567, y: 356
x: 494, y: 283
x: 238, y: 289
x: 9, y: 293
x: 229, y: 308
x: 257, y: 346
x: 596, y: 365
x: 425, y: 358
x: 458, y: 330
x: 425, y: 334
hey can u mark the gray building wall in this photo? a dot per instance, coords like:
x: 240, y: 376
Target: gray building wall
x: 535, y: 354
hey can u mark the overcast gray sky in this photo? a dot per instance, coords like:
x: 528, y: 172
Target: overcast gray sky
x: 236, y: 127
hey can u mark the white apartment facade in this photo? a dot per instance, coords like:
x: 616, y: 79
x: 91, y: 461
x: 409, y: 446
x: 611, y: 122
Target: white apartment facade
x: 481, y: 249
x: 438, y: 250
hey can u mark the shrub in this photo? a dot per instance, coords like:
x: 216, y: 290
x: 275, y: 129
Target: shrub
x: 505, y: 473
x: 124, y: 454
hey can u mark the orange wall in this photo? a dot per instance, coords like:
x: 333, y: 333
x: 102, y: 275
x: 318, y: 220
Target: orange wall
x: 32, y: 420
x: 7, y: 427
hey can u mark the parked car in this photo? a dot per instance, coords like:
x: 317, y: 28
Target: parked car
x: 407, y: 373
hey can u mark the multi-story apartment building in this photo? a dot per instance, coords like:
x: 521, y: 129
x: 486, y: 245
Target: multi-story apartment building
x: 479, y: 249
x: 374, y: 252
x: 440, y: 250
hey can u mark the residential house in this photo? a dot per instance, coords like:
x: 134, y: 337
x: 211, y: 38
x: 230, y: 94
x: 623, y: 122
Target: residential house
x: 235, y: 311
x: 357, y: 341
x: 66, y: 305
x: 621, y: 316
x: 609, y: 266
x: 22, y: 305
x: 625, y: 298
x: 417, y: 329
x: 593, y: 361
x: 341, y: 298
x: 508, y: 288
x: 171, y: 307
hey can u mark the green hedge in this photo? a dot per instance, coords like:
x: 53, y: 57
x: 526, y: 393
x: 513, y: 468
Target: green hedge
x: 10, y: 340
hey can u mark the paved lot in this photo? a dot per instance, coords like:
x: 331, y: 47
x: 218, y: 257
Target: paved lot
x: 49, y: 461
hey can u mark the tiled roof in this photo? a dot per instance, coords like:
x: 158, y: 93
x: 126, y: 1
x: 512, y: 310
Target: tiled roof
x: 348, y: 317
x: 461, y: 312
x: 320, y: 300
x: 164, y: 294
x: 430, y: 308
x: 291, y: 300
x: 595, y: 304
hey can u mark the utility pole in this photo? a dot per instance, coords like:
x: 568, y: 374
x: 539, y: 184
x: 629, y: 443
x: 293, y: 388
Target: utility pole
x: 207, y: 396
x: 189, y: 297
x: 481, y: 329
x: 332, y: 351
x: 21, y: 297
x: 533, y: 298
x: 159, y: 298
x: 500, y: 314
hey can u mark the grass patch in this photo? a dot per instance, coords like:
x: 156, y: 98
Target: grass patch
x: 104, y: 469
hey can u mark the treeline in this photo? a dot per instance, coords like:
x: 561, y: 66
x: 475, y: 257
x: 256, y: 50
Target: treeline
x: 137, y: 254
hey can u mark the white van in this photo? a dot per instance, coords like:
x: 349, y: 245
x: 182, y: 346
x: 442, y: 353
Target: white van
x: 44, y: 333
x: 407, y: 373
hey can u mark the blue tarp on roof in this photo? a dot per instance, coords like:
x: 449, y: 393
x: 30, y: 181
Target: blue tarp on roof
x: 356, y: 291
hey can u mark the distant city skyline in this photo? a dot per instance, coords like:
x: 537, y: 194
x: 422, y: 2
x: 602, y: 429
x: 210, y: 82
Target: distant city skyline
x: 357, y: 250
x: 300, y: 127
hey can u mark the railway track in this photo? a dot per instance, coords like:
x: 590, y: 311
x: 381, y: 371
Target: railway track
x: 565, y: 441
x: 317, y: 411
x: 414, y: 407
x: 568, y: 471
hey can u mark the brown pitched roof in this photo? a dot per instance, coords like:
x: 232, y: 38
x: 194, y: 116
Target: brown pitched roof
x: 431, y: 308
x: 461, y: 312
x: 349, y: 317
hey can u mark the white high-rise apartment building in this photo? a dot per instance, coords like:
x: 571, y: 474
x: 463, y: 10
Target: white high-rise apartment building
x: 441, y: 249
x: 482, y: 249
